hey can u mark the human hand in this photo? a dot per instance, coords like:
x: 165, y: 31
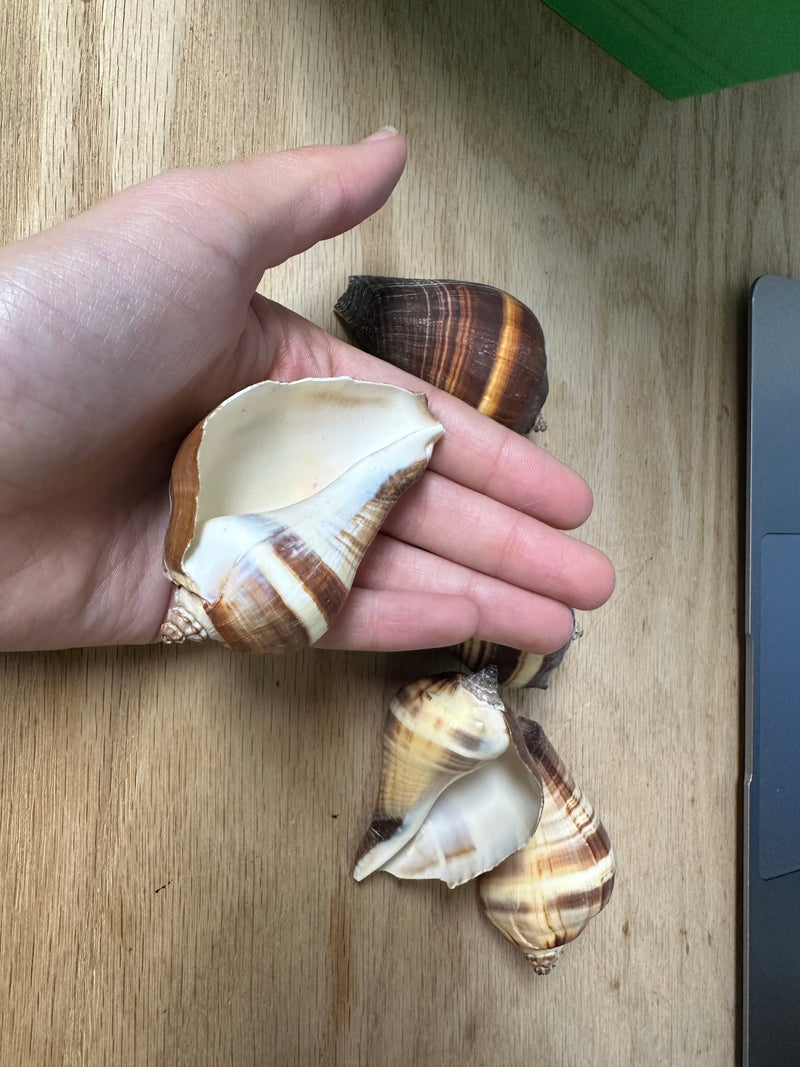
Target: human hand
x: 121, y: 328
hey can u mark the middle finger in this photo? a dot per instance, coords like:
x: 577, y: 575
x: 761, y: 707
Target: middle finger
x: 469, y: 528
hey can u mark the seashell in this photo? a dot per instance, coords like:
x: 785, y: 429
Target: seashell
x: 516, y: 669
x: 543, y: 896
x: 474, y: 341
x: 458, y: 791
x: 276, y: 495
x: 478, y: 344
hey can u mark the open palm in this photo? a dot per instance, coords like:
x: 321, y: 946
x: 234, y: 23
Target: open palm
x: 121, y: 328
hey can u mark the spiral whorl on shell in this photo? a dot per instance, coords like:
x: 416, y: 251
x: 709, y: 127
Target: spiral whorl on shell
x: 473, y: 341
x: 543, y: 896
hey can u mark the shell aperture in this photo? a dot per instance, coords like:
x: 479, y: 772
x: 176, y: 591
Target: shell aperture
x: 457, y: 792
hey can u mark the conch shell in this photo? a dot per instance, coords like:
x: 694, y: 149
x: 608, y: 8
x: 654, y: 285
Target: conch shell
x: 458, y: 792
x: 473, y: 341
x: 544, y: 895
x: 481, y: 345
x: 276, y: 495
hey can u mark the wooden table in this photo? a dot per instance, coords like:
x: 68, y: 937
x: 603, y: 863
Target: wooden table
x: 177, y: 826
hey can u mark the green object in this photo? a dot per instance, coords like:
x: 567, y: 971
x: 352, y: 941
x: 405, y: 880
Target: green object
x: 687, y: 47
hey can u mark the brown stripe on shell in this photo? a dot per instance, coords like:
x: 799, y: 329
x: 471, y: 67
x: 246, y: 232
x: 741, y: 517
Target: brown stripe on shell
x: 496, y: 400
x: 256, y: 618
x: 454, y: 369
x: 566, y: 902
x: 456, y: 853
x: 381, y: 828
x: 465, y: 740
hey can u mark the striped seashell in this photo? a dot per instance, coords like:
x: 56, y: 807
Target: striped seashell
x: 478, y: 344
x: 473, y: 341
x: 516, y: 669
x: 543, y: 896
x: 455, y: 796
x: 477, y: 821
x: 276, y: 495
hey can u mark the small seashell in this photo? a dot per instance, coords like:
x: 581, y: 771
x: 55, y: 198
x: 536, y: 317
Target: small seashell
x: 515, y: 669
x: 544, y: 895
x: 276, y: 495
x: 456, y: 795
x: 474, y: 341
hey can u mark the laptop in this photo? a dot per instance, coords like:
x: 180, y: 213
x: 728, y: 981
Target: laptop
x: 771, y: 854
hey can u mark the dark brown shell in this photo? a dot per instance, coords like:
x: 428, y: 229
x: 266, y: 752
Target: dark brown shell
x: 471, y: 340
x: 481, y: 345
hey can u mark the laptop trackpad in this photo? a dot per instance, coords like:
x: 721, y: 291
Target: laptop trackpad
x: 777, y: 773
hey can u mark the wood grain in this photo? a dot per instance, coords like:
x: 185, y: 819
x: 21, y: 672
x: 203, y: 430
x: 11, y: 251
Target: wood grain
x: 176, y: 827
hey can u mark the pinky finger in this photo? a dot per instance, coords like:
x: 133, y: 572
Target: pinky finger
x: 400, y: 621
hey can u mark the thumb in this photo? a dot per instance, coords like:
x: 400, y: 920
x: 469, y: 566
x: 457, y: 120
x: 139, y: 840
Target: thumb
x: 261, y: 210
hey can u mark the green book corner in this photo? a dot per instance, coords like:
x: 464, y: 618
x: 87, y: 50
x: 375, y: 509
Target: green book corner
x: 688, y: 47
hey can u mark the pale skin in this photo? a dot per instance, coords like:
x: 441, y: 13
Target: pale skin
x: 122, y: 327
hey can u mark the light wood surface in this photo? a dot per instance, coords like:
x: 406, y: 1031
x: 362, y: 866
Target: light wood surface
x: 177, y: 826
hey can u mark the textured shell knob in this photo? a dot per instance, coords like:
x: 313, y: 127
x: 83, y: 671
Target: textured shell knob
x: 473, y: 341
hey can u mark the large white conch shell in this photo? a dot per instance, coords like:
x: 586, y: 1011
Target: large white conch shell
x: 276, y: 495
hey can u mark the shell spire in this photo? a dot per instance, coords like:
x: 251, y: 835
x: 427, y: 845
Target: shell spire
x: 543, y: 896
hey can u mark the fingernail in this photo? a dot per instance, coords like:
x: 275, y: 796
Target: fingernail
x: 382, y: 134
